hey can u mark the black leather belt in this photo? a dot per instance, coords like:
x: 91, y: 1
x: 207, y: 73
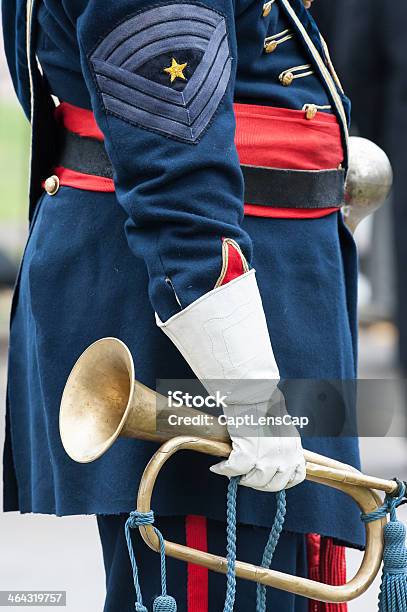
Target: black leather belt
x: 263, y: 186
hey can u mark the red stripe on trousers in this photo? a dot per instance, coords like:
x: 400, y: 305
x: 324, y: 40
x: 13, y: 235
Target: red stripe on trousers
x: 326, y: 564
x: 197, y: 576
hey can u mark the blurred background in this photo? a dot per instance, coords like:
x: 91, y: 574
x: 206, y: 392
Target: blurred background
x: 369, y: 49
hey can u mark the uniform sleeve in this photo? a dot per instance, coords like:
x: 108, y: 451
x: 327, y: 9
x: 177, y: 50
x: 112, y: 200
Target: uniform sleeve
x: 161, y: 78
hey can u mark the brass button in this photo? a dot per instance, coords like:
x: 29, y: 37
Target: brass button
x: 311, y: 111
x: 287, y: 78
x: 271, y: 46
x: 267, y: 8
x: 52, y: 184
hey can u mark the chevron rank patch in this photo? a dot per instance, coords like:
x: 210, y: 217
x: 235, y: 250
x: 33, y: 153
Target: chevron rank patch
x: 165, y: 69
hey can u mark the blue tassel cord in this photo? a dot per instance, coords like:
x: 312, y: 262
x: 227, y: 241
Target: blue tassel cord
x: 164, y: 602
x: 231, y: 546
x: 393, y: 590
x: 271, y: 547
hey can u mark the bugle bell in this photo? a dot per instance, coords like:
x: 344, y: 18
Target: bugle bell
x: 102, y: 400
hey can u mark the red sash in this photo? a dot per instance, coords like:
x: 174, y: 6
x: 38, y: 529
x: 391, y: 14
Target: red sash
x: 265, y: 136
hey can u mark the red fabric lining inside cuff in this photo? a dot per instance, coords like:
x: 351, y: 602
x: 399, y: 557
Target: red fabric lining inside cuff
x: 235, y: 265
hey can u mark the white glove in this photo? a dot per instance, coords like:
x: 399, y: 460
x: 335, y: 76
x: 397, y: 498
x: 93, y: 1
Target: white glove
x: 273, y: 459
x: 224, y: 338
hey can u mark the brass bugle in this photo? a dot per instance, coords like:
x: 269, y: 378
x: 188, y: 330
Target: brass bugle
x: 102, y: 400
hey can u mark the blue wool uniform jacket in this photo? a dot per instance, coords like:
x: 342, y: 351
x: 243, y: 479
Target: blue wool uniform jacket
x: 179, y: 191
x: 110, y: 57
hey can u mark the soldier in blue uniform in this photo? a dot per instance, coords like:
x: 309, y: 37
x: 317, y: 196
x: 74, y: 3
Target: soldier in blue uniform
x: 150, y: 213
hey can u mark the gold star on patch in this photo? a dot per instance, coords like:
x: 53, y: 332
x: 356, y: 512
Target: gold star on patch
x: 176, y: 70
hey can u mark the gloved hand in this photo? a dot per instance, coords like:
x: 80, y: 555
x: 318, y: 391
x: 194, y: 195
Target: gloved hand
x: 224, y: 338
x: 269, y: 458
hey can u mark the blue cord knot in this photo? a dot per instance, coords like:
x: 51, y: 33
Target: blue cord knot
x: 390, y: 505
x: 138, y: 519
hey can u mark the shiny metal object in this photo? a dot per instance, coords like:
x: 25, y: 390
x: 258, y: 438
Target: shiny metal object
x: 52, y: 185
x: 102, y: 401
x: 369, y: 180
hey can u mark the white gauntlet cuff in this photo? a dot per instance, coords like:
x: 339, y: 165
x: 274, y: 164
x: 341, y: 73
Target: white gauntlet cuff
x: 224, y: 336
